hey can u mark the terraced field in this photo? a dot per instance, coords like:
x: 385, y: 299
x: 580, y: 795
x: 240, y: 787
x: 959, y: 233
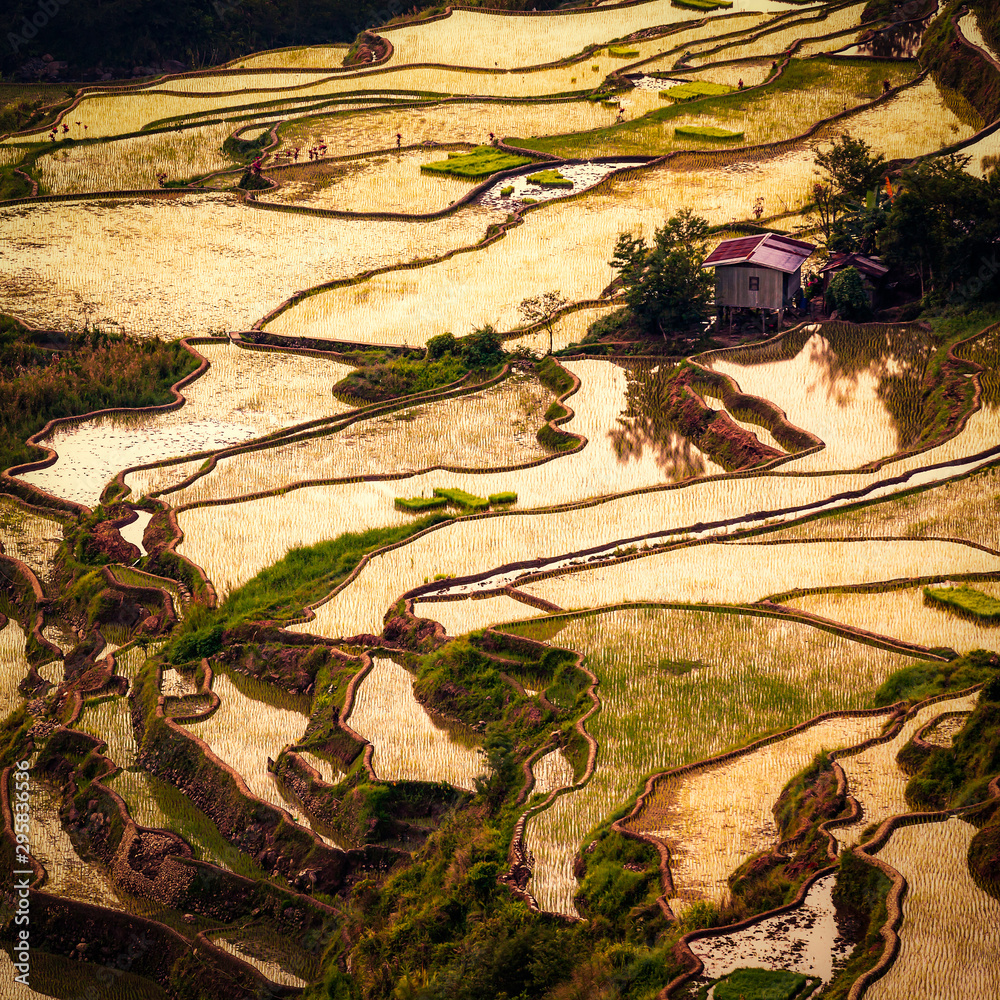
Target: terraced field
x: 602, y: 671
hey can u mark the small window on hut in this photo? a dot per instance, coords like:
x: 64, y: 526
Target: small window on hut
x: 755, y: 284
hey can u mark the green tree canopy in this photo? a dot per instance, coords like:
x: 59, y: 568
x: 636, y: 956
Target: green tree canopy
x: 944, y: 227
x: 665, y: 286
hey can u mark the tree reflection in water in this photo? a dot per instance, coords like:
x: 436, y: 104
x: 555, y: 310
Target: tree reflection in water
x: 643, y: 425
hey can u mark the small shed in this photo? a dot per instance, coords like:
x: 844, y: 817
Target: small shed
x: 872, y: 272
x: 758, y: 272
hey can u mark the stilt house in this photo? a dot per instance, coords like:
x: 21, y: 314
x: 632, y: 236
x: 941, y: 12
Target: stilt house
x: 758, y: 272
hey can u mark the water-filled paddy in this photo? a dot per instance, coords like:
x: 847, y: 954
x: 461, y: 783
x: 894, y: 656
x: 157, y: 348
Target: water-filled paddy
x: 952, y: 958
x: 194, y: 263
x: 493, y: 427
x: 751, y: 572
x: 254, y: 722
x: 14, y: 664
x: 520, y: 41
x: 678, y: 686
x: 459, y: 617
x: 876, y: 780
x: 243, y: 394
x: 710, y: 831
x: 28, y: 536
x: 808, y: 940
x: 409, y: 744
x: 906, y: 615
x: 832, y: 385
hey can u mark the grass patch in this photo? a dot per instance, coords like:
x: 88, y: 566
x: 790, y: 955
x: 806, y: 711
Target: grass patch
x: 481, y: 162
x: 550, y: 178
x: 923, y: 679
x: 706, y: 132
x: 462, y: 500
x: 967, y: 600
x: 692, y: 91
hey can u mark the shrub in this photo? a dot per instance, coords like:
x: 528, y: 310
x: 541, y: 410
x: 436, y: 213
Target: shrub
x: 443, y: 343
x: 846, y: 294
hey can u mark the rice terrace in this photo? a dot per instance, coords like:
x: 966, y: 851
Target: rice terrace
x: 500, y: 501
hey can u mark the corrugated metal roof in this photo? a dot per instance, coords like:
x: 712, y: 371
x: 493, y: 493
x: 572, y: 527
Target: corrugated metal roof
x: 866, y: 265
x: 731, y: 251
x: 780, y: 253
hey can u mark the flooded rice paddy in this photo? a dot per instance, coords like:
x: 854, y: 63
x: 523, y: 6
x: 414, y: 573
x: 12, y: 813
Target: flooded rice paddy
x: 950, y: 959
x: 808, y: 940
x: 409, y: 743
x: 679, y: 686
x: 876, y: 780
x: 710, y: 831
x: 676, y: 685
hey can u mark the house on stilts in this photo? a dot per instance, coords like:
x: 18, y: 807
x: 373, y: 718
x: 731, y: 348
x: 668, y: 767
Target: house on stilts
x: 757, y: 272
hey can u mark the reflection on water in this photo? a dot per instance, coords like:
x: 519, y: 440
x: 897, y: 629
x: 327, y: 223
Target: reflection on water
x: 900, y: 40
x: 835, y: 380
x: 644, y: 424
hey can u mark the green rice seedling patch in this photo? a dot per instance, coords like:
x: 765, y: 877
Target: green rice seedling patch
x: 480, y: 163
x: 702, y: 4
x: 414, y: 504
x: 692, y: 91
x: 757, y: 984
x: 550, y: 178
x: 502, y: 499
x: 706, y: 132
x: 762, y: 675
x: 621, y: 52
x: 967, y: 600
x: 461, y: 499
